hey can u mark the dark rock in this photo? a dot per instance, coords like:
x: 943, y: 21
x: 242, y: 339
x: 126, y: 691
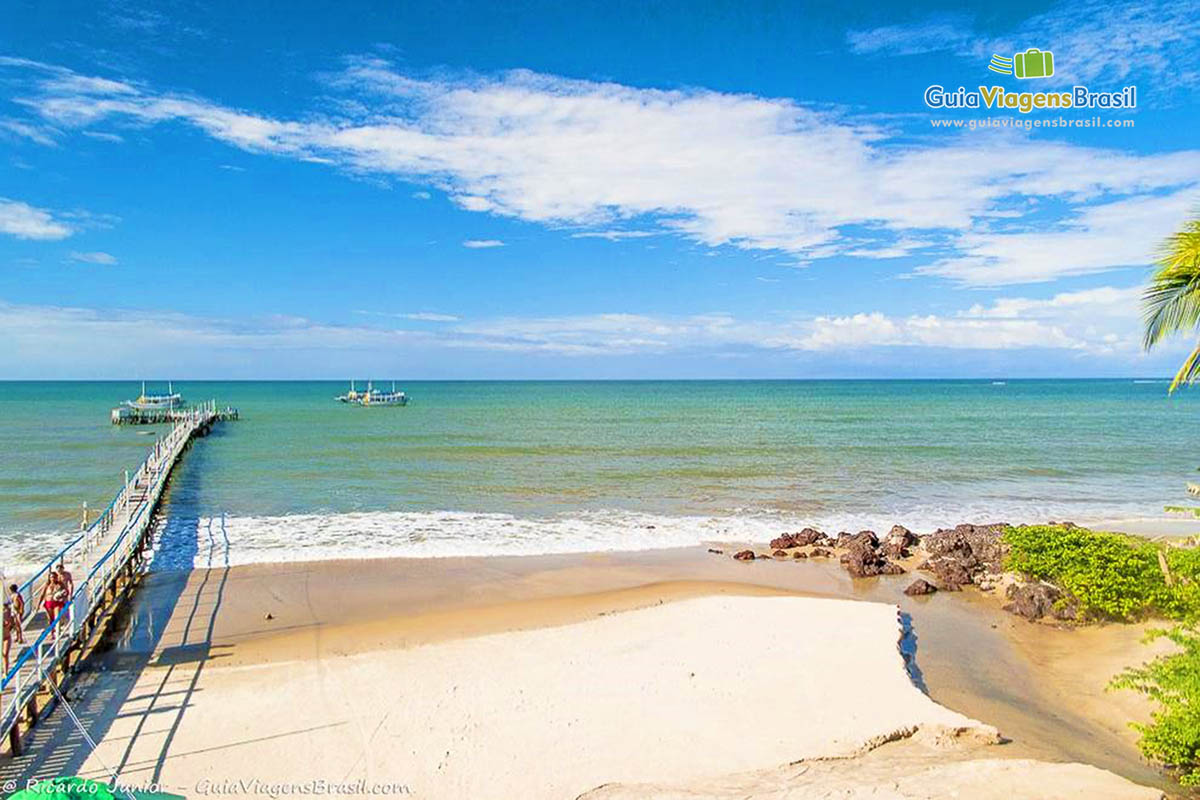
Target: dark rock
x: 1033, y: 600
x: 820, y: 552
x: 920, y: 586
x: 843, y: 539
x: 799, y: 554
x: 951, y: 573
x: 780, y: 554
x: 898, y: 542
x: 861, y: 559
x: 891, y: 568
x: 781, y: 542
x: 865, y: 537
x: 714, y: 550
x: 802, y: 539
x: 744, y: 555
x: 957, y: 555
x: 810, y: 536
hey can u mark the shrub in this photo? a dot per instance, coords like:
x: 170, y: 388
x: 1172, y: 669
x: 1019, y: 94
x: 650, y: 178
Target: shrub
x: 1173, y: 735
x: 1111, y: 575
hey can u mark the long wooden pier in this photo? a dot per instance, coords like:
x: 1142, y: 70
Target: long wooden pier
x: 105, y: 560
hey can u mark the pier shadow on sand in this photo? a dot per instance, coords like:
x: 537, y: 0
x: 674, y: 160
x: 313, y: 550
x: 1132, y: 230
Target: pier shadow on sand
x: 167, y: 623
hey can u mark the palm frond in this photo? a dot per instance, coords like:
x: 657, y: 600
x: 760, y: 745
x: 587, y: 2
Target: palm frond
x: 1171, y: 303
x: 1188, y: 373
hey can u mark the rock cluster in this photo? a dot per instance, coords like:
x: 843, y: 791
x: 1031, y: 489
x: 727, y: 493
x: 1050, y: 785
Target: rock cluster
x: 864, y: 558
x: 804, y: 538
x: 959, y: 556
x: 953, y: 557
x: 899, y: 542
x: 1035, y: 600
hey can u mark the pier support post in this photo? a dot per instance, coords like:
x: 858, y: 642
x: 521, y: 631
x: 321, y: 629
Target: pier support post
x: 14, y: 739
x: 31, y: 712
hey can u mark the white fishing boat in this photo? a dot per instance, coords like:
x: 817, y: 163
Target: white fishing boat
x: 374, y: 397
x: 156, y: 402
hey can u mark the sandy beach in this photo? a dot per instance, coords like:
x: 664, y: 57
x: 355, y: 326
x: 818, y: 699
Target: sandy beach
x: 657, y: 674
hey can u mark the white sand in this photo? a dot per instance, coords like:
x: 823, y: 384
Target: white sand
x: 672, y: 694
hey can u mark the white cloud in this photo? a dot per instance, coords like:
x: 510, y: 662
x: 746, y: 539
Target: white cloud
x: 421, y: 195
x: 416, y: 316
x: 1091, y: 41
x: 28, y: 222
x: 613, y: 236
x: 428, y: 316
x: 482, y: 244
x: 754, y: 173
x: 1117, y: 234
x: 104, y: 136
x: 1100, y: 322
x: 25, y: 130
x: 95, y: 257
x: 928, y: 36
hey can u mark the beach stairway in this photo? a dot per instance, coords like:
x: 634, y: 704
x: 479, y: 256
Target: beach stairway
x: 105, y: 560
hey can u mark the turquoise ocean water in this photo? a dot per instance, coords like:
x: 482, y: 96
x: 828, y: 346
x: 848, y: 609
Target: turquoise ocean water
x: 535, y: 467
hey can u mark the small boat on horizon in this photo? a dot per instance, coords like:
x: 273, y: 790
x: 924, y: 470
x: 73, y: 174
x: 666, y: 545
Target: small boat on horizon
x: 156, y: 402
x: 373, y: 396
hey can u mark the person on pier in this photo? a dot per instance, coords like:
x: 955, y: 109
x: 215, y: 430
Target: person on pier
x: 53, y: 599
x: 18, y: 603
x: 12, y: 630
x: 66, y: 579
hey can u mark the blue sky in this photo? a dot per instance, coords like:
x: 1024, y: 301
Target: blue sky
x: 480, y: 190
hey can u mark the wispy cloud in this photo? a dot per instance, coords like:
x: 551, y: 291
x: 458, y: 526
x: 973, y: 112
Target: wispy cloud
x: 104, y: 136
x: 928, y: 36
x: 482, y: 244
x: 28, y: 222
x: 613, y: 236
x: 1094, y: 322
x: 94, y: 257
x: 759, y: 174
x: 24, y: 130
x: 428, y: 316
x: 417, y: 316
x: 1091, y: 40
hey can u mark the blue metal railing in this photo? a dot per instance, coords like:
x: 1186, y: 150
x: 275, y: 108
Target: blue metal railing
x: 48, y: 647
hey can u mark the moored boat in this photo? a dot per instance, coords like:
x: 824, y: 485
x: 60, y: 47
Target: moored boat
x: 156, y: 402
x: 374, y: 397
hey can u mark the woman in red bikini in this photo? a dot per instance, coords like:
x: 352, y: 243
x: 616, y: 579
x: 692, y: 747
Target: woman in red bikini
x: 53, y: 598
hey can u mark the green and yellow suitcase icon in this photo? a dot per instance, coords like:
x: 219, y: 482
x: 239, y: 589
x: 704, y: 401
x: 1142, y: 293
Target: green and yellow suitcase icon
x: 1033, y: 63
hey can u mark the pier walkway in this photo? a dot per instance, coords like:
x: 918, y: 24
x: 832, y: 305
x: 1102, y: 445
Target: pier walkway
x: 105, y: 560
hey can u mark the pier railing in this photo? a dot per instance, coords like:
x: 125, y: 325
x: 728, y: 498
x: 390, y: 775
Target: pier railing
x: 105, y: 550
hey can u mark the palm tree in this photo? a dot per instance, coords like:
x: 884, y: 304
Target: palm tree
x: 1171, y: 303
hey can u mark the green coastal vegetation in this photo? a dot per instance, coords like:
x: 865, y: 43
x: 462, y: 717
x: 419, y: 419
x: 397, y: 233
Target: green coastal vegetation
x: 1113, y: 576
x: 1173, y: 734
